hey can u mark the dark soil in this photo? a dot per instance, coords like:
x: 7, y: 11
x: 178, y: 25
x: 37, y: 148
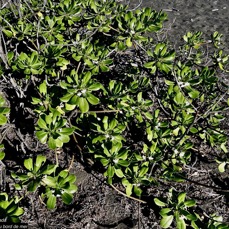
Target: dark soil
x: 99, y: 206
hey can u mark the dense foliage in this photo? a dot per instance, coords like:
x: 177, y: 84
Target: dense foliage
x: 95, y: 73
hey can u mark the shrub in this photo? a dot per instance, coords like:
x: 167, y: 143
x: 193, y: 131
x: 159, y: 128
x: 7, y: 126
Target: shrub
x: 96, y: 69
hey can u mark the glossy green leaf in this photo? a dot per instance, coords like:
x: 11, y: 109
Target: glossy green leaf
x: 83, y: 105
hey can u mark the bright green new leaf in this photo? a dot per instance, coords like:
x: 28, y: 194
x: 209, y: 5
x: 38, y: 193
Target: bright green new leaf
x: 52, y: 143
x: 42, y: 136
x: 181, y: 223
x: 92, y: 99
x: 179, y: 98
x: 194, y: 94
x: 159, y: 202
x: 181, y: 197
x: 3, y: 119
x: 128, y: 42
x: 2, y: 155
x: 43, y: 88
x: 190, y: 203
x: 50, y: 181
x: 39, y: 161
x: 165, y: 211
x: 119, y: 173
x: 42, y: 124
x: 166, y: 221
x: 129, y: 188
x: 83, y: 105
x: 51, y: 202
x: 221, y: 167
x: 28, y: 163
x: 67, y: 131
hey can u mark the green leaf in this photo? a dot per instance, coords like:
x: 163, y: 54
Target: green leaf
x: 92, y: 99
x: 28, y: 163
x: 48, y: 169
x: 193, y: 224
x: 129, y: 188
x: 165, y: 211
x: 193, y: 130
x: 95, y: 87
x: 181, y: 223
x: 223, y: 147
x: 128, y: 42
x: 194, y: 94
x: 67, y: 198
x: 18, y: 212
x: 39, y: 161
x: 43, y: 88
x: 2, y: 155
x: 49, y: 181
x: 3, y: 119
x: 143, y: 171
x: 166, y: 221
x: 66, y: 97
x: 51, y: 202
x: 52, y: 143
x: 42, y: 124
x: 181, y: 197
x: 69, y: 107
x: 190, y: 203
x: 42, y: 136
x: 33, y: 185
x: 119, y: 173
x: 137, y: 191
x: 221, y: 167
x: 67, y: 130
x: 8, y: 33
x: 83, y: 105
x: 110, y: 171
x: 159, y: 202
x: 179, y: 98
